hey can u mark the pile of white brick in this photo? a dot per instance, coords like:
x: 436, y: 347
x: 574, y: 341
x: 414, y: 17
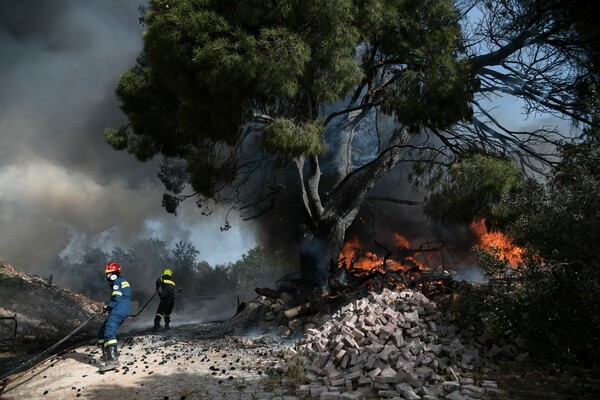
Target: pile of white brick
x: 392, y: 345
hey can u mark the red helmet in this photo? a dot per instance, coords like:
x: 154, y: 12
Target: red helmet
x: 112, y: 267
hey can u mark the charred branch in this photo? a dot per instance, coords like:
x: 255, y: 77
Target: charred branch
x: 349, y: 194
x: 395, y: 200
x: 267, y: 292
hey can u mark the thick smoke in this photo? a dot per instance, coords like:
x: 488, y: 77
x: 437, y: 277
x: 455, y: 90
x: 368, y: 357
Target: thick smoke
x: 378, y: 222
x: 188, y: 310
x: 62, y: 188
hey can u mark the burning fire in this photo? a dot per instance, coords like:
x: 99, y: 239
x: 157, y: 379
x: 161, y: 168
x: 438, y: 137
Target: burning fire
x: 396, y: 270
x: 497, y: 240
x: 356, y: 258
x: 400, y: 268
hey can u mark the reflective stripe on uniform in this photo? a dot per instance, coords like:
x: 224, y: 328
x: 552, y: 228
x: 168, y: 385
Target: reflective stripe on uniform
x: 100, y: 341
x: 169, y: 282
x: 116, y: 292
x: 124, y: 284
x: 159, y: 315
x: 110, y: 342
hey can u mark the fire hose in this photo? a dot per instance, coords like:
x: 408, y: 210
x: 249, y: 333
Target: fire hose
x: 4, y: 378
x: 29, y: 362
x: 142, y: 309
x: 48, y: 350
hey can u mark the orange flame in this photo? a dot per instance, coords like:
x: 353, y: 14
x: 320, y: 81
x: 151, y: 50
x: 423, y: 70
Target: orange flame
x: 357, y: 258
x: 365, y: 260
x: 396, y: 273
x: 499, y: 241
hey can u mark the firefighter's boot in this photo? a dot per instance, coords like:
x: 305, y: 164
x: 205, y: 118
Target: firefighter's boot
x: 156, y: 323
x: 113, y: 359
x: 167, y: 321
x: 104, y: 357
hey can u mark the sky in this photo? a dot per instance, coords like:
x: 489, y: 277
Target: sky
x: 62, y: 189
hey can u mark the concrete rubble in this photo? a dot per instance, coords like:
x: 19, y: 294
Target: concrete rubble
x: 395, y: 345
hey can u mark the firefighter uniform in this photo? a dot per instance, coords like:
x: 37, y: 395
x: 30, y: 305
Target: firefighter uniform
x: 118, y: 308
x: 165, y: 287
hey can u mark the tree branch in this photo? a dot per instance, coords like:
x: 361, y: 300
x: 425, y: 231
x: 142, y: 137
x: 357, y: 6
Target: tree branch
x: 394, y: 200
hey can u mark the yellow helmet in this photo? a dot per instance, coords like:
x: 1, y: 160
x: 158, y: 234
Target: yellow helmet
x: 168, y: 272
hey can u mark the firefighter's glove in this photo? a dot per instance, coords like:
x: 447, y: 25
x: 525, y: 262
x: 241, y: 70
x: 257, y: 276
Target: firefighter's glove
x: 104, y: 310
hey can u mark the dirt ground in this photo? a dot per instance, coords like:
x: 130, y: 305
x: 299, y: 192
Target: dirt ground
x: 182, y: 363
x: 206, y: 361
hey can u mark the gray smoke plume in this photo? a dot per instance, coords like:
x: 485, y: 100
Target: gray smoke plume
x: 63, y: 188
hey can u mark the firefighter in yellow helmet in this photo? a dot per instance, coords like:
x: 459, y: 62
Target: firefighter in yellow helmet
x: 165, y: 288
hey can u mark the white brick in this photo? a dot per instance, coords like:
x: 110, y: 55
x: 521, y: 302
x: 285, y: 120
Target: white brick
x: 411, y: 316
x: 351, y: 342
x: 329, y: 396
x: 371, y: 360
x: 389, y: 313
x: 352, y: 395
x: 386, y: 351
x: 397, y: 338
x: 407, y: 391
x: 338, y: 382
x: 315, y: 391
x: 340, y: 354
x: 358, y: 334
x: 374, y: 347
x: 374, y: 372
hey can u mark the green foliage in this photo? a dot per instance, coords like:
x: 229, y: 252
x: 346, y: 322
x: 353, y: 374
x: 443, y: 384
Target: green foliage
x: 182, y: 261
x: 208, y: 67
x: 209, y: 170
x: 116, y: 138
x: 283, y: 136
x: 474, y: 187
x: 295, y: 374
x: 549, y: 305
x: 435, y: 89
x: 151, y: 109
x: 173, y: 174
x: 491, y: 262
x: 259, y: 268
x: 146, y: 259
x: 553, y: 300
x: 562, y: 222
x: 89, y: 270
x: 211, y: 280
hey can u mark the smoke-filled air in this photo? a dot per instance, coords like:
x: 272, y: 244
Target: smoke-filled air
x: 333, y: 199
x: 63, y: 189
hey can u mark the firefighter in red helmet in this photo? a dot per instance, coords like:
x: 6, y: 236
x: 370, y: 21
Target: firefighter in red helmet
x: 118, y: 309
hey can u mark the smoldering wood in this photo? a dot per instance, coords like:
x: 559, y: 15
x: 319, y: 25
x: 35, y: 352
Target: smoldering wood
x: 307, y: 308
x: 271, y: 293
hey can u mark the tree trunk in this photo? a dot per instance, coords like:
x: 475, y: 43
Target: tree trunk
x: 321, y: 240
x: 341, y: 144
